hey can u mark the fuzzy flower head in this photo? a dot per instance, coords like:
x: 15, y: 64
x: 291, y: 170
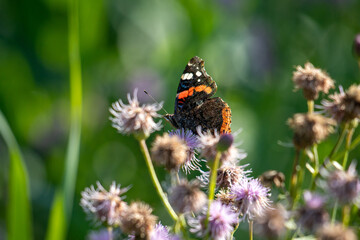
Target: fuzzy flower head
x: 208, y: 144
x: 271, y: 177
x: 191, y: 163
x: 313, y: 214
x: 251, y: 198
x: 310, y: 128
x: 335, y: 232
x: 229, y: 175
x: 135, y: 119
x: 138, y: 220
x: 187, y: 197
x: 312, y: 81
x: 104, y: 206
x: 344, y: 185
x: 161, y: 232
x: 221, y: 222
x: 344, y: 106
x: 272, y: 225
x: 169, y: 151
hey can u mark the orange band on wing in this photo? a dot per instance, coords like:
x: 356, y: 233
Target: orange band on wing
x: 226, y: 116
x: 183, y: 94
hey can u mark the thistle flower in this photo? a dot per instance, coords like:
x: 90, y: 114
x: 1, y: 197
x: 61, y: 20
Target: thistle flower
x: 226, y: 198
x: 208, y: 144
x: 139, y: 221
x: 313, y: 214
x: 335, y: 232
x: 221, y: 222
x: 169, y: 151
x: 271, y: 177
x: 312, y: 81
x: 102, y: 234
x: 251, y: 198
x: 228, y: 175
x: 272, y: 225
x: 310, y: 129
x: 135, y: 119
x: 104, y: 206
x: 344, y: 185
x: 344, y: 106
x: 191, y: 163
x: 162, y: 233
x: 187, y: 197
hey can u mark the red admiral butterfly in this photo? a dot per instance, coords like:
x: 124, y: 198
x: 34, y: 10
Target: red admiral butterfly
x: 193, y: 103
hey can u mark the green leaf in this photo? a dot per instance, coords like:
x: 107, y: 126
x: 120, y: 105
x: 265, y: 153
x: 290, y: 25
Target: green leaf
x: 57, y: 224
x: 19, y: 225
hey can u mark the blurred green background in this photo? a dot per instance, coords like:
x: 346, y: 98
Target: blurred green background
x: 250, y: 48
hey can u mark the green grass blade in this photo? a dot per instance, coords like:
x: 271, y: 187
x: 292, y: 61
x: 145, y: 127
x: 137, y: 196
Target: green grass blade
x: 19, y: 225
x: 63, y: 201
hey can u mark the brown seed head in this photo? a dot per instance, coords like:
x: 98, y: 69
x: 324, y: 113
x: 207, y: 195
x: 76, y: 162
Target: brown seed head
x: 228, y: 175
x: 138, y: 220
x: 169, y: 151
x: 335, y: 232
x: 187, y: 197
x: 226, y: 198
x: 271, y: 177
x: 352, y: 102
x: 310, y: 128
x: 272, y: 224
x: 312, y: 81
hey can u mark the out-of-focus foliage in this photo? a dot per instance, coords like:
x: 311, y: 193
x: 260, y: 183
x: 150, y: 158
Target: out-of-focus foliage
x: 250, y: 48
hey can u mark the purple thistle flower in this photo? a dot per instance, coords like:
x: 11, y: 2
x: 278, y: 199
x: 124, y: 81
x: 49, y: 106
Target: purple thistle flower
x: 221, y: 222
x: 192, y: 163
x: 162, y: 233
x: 313, y: 200
x: 251, y: 198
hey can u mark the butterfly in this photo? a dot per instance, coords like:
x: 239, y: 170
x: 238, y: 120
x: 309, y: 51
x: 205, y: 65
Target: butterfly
x: 194, y: 105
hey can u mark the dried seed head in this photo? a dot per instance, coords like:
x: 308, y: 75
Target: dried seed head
x: 310, y: 128
x: 344, y: 185
x: 187, y: 197
x: 272, y: 225
x: 228, y: 175
x: 226, y: 198
x: 104, y: 206
x: 135, y: 119
x: 313, y: 214
x: 271, y: 177
x: 335, y: 232
x: 169, y: 151
x: 312, y: 81
x: 138, y: 220
x: 356, y: 45
x: 352, y: 102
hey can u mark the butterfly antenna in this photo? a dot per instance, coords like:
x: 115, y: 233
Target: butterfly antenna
x: 155, y: 100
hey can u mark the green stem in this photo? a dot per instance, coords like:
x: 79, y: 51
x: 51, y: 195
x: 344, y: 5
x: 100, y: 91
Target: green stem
x: 301, y: 174
x: 339, y: 141
x: 353, y: 145
x: 310, y: 104
x: 155, y: 180
x: 333, y: 214
x: 233, y: 232
x: 293, y: 180
x: 346, y: 215
x: 316, y: 167
x: 212, y: 184
x: 251, y: 229
x: 347, y: 146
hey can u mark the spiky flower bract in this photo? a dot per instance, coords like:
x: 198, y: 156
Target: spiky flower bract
x: 251, y: 198
x: 312, y: 81
x: 221, y: 223
x: 135, y: 119
x: 191, y: 163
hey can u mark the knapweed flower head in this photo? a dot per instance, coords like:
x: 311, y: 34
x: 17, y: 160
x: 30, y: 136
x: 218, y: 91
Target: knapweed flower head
x: 313, y: 214
x: 335, y: 232
x: 221, y: 222
x: 187, y: 197
x: 138, y: 220
x: 344, y: 185
x: 271, y: 177
x: 104, y: 206
x: 272, y: 224
x: 208, y: 143
x: 169, y: 151
x: 251, y: 198
x: 310, y: 128
x: 191, y: 163
x: 135, y: 119
x: 312, y: 81
x: 344, y: 106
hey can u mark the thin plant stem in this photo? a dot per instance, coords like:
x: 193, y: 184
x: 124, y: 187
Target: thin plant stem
x: 233, y: 232
x: 333, y: 214
x: 346, y: 215
x: 251, y: 229
x: 294, y: 175
x: 339, y: 141
x: 353, y: 145
x: 310, y: 104
x: 316, y: 166
x: 155, y: 180
x: 301, y: 174
x: 212, y: 184
x: 110, y: 232
x: 347, y: 146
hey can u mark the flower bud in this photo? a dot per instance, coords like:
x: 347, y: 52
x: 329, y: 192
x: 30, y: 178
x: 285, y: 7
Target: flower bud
x: 225, y: 142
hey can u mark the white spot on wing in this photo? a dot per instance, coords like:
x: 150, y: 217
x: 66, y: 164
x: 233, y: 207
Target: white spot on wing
x: 198, y: 73
x: 190, y: 75
x: 199, y: 80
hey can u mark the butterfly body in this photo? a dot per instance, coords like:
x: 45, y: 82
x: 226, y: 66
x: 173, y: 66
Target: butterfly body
x: 194, y: 105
